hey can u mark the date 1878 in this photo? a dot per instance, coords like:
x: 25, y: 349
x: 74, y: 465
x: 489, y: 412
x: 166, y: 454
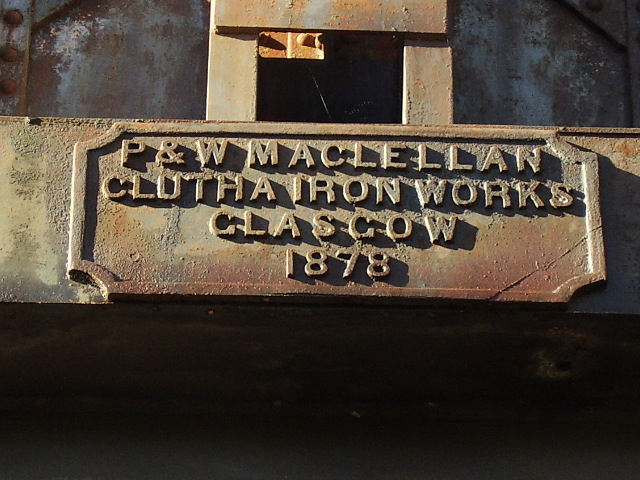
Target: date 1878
x: 315, y: 263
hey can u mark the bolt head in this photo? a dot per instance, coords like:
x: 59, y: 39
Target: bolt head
x: 8, y: 86
x: 9, y: 54
x: 13, y: 17
x: 594, y: 5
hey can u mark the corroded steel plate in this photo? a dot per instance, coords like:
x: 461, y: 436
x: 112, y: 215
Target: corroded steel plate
x: 479, y: 213
x: 417, y: 16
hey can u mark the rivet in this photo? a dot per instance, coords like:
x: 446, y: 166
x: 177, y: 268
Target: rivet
x: 13, y: 17
x: 10, y: 54
x: 594, y: 5
x: 8, y: 86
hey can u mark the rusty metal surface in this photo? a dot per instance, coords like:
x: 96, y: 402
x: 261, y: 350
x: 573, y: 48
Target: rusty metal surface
x: 532, y: 62
x: 43, y: 9
x: 232, y: 87
x: 620, y: 199
x: 608, y: 15
x: 246, y: 209
x: 35, y: 166
x: 109, y: 58
x: 525, y: 62
x: 416, y: 16
x: 427, y: 83
x: 633, y: 10
x: 15, y: 37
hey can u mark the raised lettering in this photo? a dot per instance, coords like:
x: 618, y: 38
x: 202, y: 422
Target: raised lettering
x: 527, y: 191
x: 357, y: 158
x: 129, y: 147
x: 162, y: 187
x: 457, y: 196
x: 390, y: 154
x: 216, y: 230
x: 249, y: 231
x: 495, y: 157
x: 297, y: 190
x: 200, y: 179
x: 263, y: 187
x: 267, y: 155
x: 136, y: 193
x: 561, y: 195
x: 393, y: 233
x: 167, y: 154
x: 322, y: 226
x: 236, y: 184
x: 391, y: 188
x: 441, y: 227
x: 108, y: 192
x: 423, y: 159
x: 324, y: 185
x: 497, y: 189
x: 302, y: 152
x: 533, y: 159
x: 431, y: 190
x: 288, y: 222
x: 363, y: 187
x: 326, y: 156
x: 353, y: 228
x: 206, y: 150
x: 453, y: 160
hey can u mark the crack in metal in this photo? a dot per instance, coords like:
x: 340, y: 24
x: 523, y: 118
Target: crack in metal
x: 546, y: 266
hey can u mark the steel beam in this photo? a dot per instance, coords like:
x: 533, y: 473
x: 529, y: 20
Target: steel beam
x: 36, y: 185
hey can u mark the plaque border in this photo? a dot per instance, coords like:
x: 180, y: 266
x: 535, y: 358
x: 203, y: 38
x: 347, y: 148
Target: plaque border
x: 113, y: 288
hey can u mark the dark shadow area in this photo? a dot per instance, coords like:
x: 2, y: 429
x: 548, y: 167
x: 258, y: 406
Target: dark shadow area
x: 345, y: 87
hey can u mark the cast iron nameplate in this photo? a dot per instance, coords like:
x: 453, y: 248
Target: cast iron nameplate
x: 210, y: 209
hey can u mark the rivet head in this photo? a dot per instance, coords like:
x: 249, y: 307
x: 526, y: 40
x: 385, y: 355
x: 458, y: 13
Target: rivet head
x: 9, y: 54
x: 8, y: 86
x: 594, y: 5
x: 13, y: 17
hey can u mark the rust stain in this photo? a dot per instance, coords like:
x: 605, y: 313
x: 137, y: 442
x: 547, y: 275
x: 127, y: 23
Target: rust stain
x: 302, y: 218
x: 629, y: 148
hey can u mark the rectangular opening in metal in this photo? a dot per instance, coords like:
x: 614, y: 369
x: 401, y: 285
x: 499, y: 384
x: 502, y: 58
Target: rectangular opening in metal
x: 358, y: 81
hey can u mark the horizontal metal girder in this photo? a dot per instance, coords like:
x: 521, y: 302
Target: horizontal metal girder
x: 418, y: 16
x: 169, y: 247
